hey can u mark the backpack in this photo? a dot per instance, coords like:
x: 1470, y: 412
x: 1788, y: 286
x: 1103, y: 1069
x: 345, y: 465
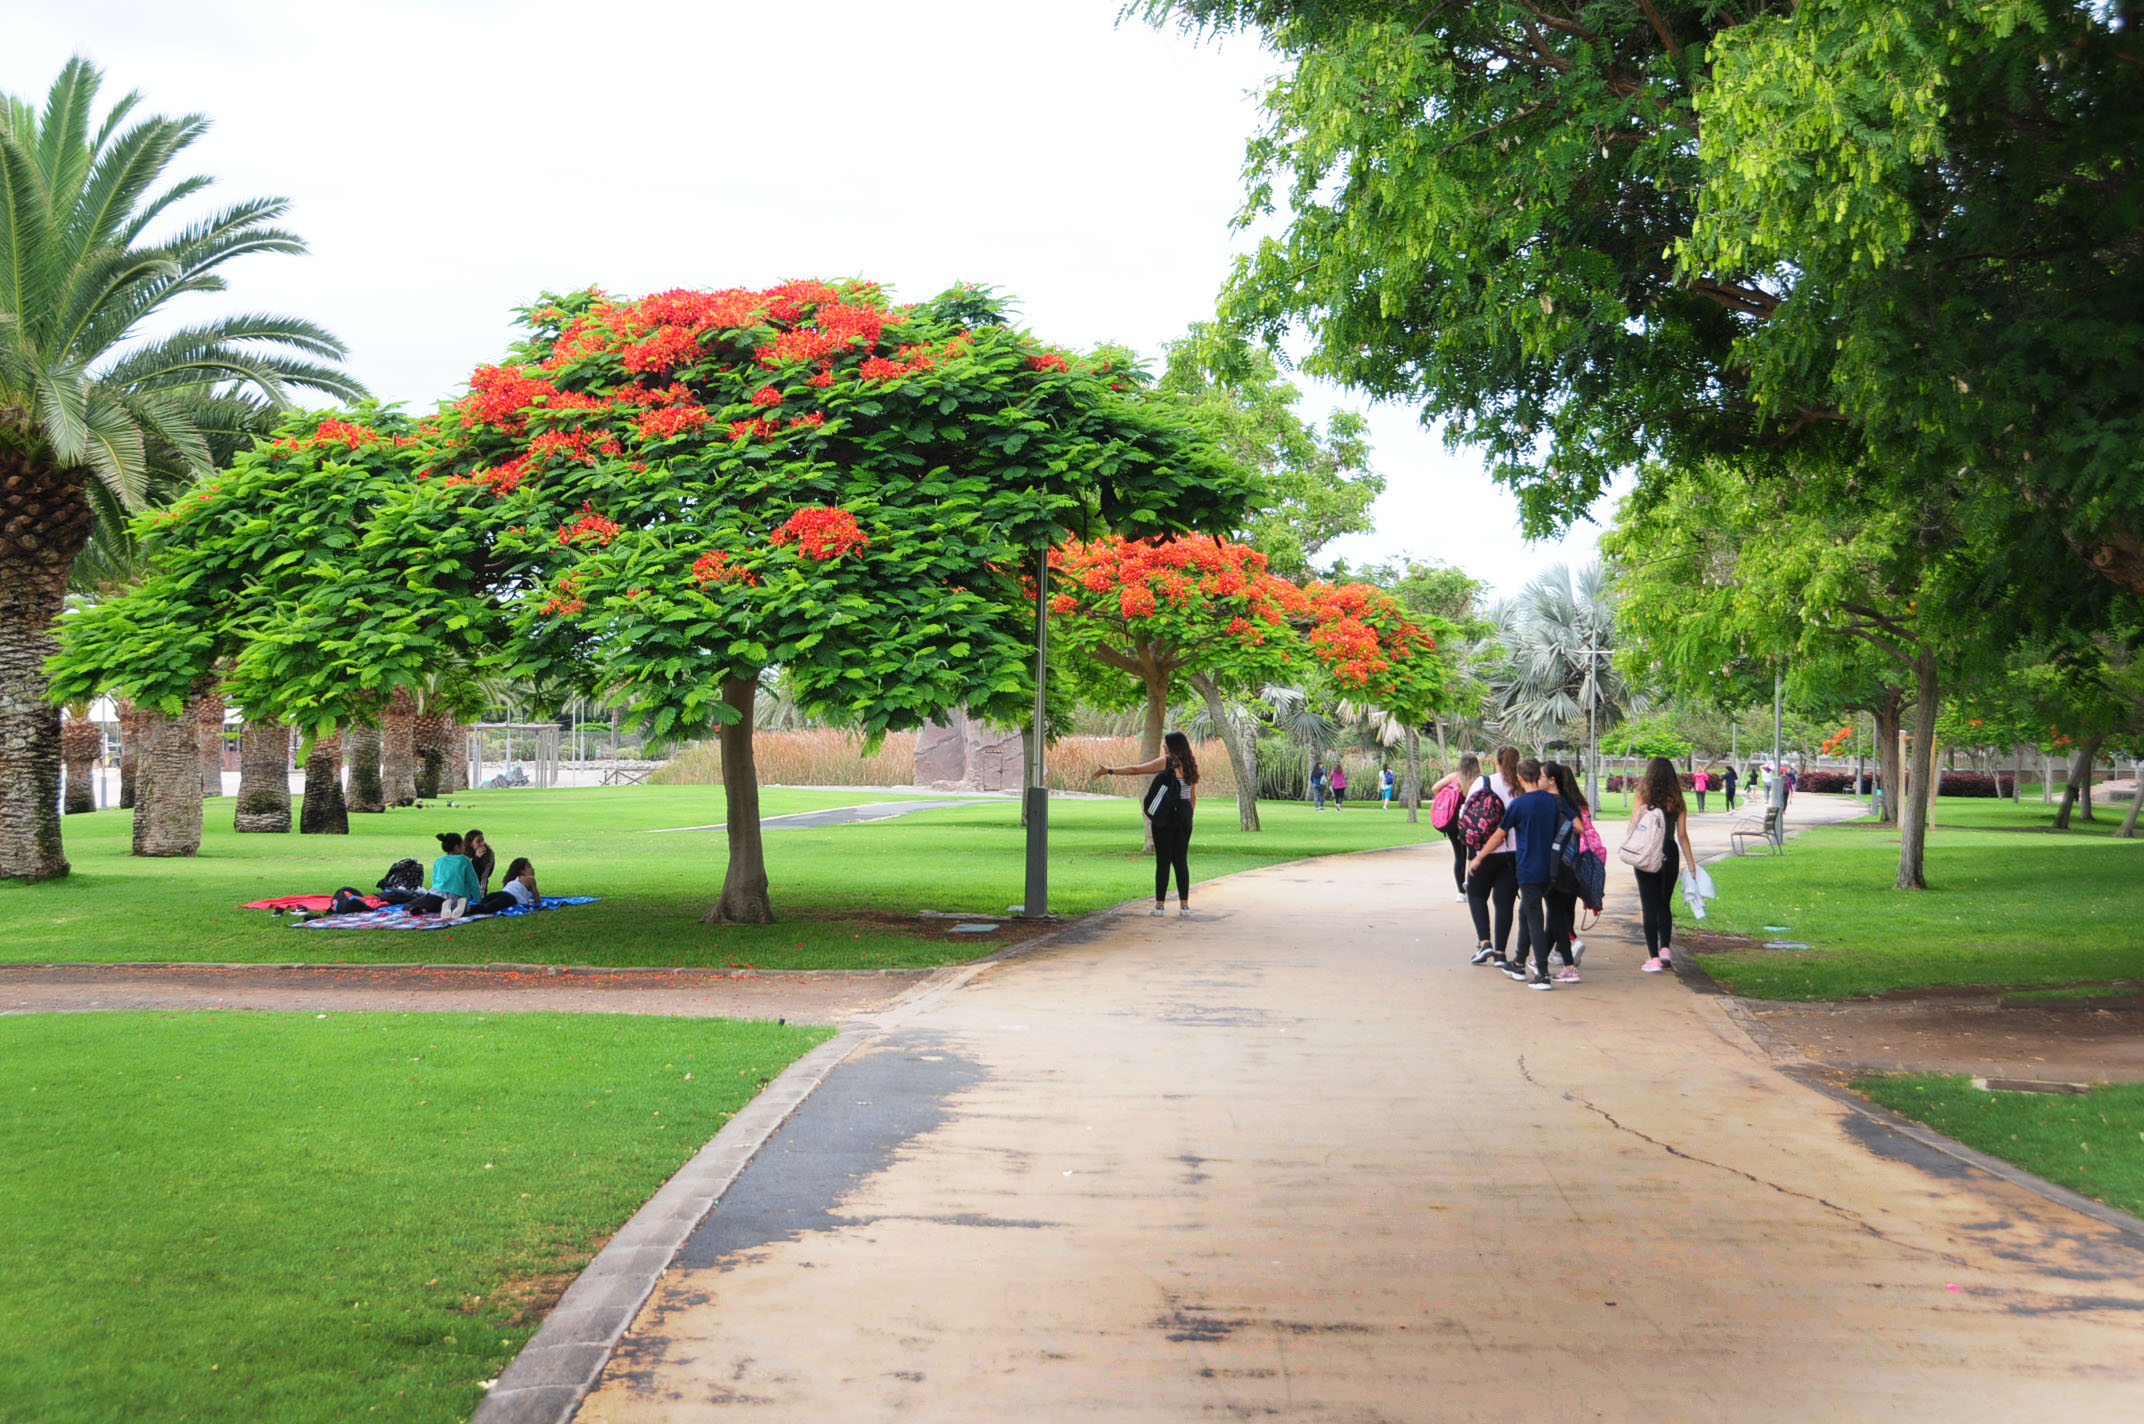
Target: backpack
x: 1564, y: 853
x: 348, y: 901
x: 402, y: 882
x: 1165, y: 803
x: 1647, y: 844
x: 1480, y: 817
x: 1592, y: 880
x: 1443, y: 806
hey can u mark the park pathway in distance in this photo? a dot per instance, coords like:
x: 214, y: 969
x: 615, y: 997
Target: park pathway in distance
x: 1298, y: 1159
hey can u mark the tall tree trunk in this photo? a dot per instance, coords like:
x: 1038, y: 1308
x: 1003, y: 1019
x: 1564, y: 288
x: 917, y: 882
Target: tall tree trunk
x: 44, y: 521
x: 398, y: 750
x: 129, y: 734
x: 457, y: 745
x: 1890, y: 714
x: 745, y: 900
x: 361, y: 748
x: 2017, y: 776
x: 1242, y: 754
x: 1157, y: 710
x: 1411, y: 788
x: 209, y: 721
x: 429, y: 729
x: 2128, y: 828
x: 263, y: 777
x: 325, y: 812
x: 167, y: 782
x: 2080, y: 771
x: 80, y: 741
x: 1920, y: 780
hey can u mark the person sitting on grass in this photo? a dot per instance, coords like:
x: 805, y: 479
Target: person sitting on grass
x: 518, y: 889
x: 454, y: 883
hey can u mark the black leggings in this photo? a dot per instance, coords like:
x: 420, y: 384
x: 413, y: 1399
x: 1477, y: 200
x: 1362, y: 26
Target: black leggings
x: 491, y: 904
x: 1459, y: 856
x: 1656, y: 899
x: 1496, y: 880
x: 1172, y: 847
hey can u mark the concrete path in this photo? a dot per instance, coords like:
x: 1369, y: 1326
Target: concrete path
x: 1298, y: 1159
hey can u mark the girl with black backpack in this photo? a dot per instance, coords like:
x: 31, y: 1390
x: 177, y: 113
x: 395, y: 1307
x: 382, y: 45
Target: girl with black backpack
x: 1495, y: 879
x: 1170, y: 799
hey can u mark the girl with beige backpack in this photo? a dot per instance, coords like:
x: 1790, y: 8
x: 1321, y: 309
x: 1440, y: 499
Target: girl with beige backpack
x: 1659, y: 828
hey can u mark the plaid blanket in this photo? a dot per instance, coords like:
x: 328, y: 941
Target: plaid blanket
x: 396, y: 917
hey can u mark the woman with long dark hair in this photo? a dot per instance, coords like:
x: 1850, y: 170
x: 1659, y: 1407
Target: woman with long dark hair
x: 1171, y: 798
x: 481, y: 860
x: 1661, y: 790
x: 1563, y: 906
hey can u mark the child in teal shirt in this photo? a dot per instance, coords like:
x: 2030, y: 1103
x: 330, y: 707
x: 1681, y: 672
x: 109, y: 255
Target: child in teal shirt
x: 453, y: 879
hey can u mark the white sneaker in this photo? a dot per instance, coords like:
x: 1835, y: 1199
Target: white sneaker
x: 1461, y: 897
x: 1578, y: 952
x: 1157, y: 910
x: 1183, y: 912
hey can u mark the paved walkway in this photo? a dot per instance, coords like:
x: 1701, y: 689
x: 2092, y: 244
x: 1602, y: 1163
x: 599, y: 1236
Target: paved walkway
x: 1298, y: 1159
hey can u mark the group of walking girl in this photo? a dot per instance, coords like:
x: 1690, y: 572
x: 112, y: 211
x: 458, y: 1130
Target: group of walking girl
x: 1507, y: 830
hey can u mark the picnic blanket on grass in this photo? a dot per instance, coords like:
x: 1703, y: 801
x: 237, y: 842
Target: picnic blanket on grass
x: 304, y: 902
x: 398, y: 917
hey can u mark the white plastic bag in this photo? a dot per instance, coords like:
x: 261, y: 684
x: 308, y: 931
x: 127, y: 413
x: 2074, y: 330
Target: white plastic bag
x: 1697, y: 888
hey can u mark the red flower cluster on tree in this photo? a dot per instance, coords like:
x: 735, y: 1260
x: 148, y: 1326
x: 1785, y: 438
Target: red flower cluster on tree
x: 671, y: 420
x: 759, y: 428
x: 1194, y: 570
x: 1359, y: 631
x: 565, y: 599
x: 345, y: 433
x: 820, y: 532
x: 714, y: 566
x: 1049, y: 361
x: 498, y: 395
x: 591, y: 526
x: 766, y: 396
x: 581, y: 445
x: 808, y: 422
x: 1837, y: 740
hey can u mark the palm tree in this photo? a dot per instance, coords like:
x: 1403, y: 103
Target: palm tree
x: 1555, y: 639
x: 98, y: 420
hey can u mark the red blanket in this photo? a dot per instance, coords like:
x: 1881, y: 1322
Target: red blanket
x: 304, y: 902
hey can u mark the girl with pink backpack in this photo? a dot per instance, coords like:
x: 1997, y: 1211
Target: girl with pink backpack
x: 1444, y: 800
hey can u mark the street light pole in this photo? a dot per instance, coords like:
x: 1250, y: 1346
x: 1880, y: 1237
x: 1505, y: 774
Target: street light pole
x: 1036, y: 904
x: 1593, y: 726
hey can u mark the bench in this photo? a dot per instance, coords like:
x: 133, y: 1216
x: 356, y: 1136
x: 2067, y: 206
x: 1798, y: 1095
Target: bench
x: 1772, y: 831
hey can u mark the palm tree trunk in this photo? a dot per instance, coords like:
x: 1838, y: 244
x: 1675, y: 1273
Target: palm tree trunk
x: 80, y: 741
x: 324, y: 812
x: 429, y: 730
x: 263, y: 777
x: 454, y: 776
x: 398, y: 750
x: 209, y: 708
x: 745, y: 900
x: 361, y: 747
x: 129, y: 734
x: 1920, y: 782
x: 167, y: 791
x: 1242, y: 753
x: 44, y: 521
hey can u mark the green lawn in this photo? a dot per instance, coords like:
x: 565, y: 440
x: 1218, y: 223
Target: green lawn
x: 298, y: 1217
x: 2013, y: 903
x: 2092, y: 1143
x: 827, y: 883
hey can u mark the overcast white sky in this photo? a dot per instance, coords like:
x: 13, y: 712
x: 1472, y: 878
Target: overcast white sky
x: 448, y: 161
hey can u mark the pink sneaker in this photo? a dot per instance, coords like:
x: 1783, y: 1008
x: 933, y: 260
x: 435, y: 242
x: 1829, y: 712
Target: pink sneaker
x: 1667, y: 956
x: 1567, y: 975
x: 1652, y: 966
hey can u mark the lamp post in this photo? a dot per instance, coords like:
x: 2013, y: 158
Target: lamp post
x: 1036, y: 904
x: 1593, y: 724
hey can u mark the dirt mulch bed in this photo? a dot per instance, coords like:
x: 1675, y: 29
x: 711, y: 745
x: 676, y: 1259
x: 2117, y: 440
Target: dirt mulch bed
x: 1983, y: 1033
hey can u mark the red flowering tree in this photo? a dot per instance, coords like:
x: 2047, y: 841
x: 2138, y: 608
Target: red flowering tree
x: 667, y: 497
x: 1374, y: 649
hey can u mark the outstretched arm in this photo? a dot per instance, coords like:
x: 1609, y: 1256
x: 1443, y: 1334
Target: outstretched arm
x: 1145, y: 768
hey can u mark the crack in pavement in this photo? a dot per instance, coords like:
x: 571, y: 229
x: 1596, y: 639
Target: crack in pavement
x: 1845, y: 1214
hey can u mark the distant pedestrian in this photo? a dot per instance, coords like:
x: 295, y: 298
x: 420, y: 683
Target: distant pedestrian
x: 1727, y: 784
x: 1339, y: 784
x: 1317, y: 786
x: 1171, y: 799
x: 1386, y: 781
x: 1660, y: 790
x: 1790, y: 779
x: 1700, y: 782
x: 1445, y: 799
